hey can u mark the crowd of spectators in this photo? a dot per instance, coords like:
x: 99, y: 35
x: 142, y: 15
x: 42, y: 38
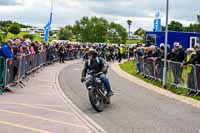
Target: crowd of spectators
x: 113, y: 52
x: 178, y: 60
x: 15, y: 49
x: 32, y: 55
x: 19, y: 47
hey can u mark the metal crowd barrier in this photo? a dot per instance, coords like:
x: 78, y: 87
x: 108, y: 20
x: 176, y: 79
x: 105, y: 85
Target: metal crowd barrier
x: 52, y: 56
x: 159, y: 65
x: 72, y: 54
x: 141, y: 64
x: 17, y: 69
x: 184, y: 77
x: 198, y: 77
x: 13, y: 71
x: 149, y: 67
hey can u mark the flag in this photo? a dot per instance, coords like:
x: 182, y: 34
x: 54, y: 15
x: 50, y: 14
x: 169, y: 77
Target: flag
x: 157, y: 22
x: 47, y: 28
x: 157, y: 25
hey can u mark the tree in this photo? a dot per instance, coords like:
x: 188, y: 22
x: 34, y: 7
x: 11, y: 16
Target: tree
x: 140, y: 32
x: 177, y: 26
x: 14, y: 29
x: 193, y: 28
x: 198, y: 18
x: 118, y: 33
x: 65, y: 33
x: 28, y: 36
x: 91, y: 29
x: 1, y: 37
x: 174, y: 26
x: 8, y: 23
x: 5, y: 30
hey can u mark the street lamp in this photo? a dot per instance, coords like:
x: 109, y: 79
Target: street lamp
x: 166, y: 43
x: 129, y: 32
x: 129, y: 27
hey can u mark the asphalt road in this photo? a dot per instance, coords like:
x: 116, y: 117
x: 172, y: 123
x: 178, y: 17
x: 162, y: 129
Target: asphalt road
x: 134, y: 109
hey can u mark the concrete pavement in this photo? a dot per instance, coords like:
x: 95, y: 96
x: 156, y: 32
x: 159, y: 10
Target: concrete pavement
x: 134, y: 108
x: 40, y: 108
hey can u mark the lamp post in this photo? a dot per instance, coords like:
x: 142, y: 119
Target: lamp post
x: 129, y: 32
x: 129, y: 27
x: 166, y: 43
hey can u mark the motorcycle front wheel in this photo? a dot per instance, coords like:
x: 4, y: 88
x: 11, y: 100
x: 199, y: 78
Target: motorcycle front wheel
x: 96, y: 100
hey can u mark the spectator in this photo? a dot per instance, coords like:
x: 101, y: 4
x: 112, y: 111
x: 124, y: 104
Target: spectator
x: 25, y: 47
x: 171, y: 54
x: 190, y: 69
x: 151, y: 51
x: 162, y: 50
x: 138, y: 57
x: 6, y: 51
x: 35, y: 46
x: 61, y: 51
x: 179, y: 54
x: 146, y: 51
x: 32, y: 50
x: 120, y: 53
x: 196, y: 59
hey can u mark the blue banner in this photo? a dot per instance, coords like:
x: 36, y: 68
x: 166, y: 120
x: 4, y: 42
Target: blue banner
x: 47, y: 29
x: 157, y: 22
x: 157, y: 25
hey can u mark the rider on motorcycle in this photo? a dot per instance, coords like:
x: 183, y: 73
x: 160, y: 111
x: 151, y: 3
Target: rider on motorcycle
x: 97, y: 65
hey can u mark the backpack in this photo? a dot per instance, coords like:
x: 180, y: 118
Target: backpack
x: 97, y: 59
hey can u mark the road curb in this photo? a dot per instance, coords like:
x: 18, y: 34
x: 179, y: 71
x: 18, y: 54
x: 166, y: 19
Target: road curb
x: 116, y: 68
x: 93, y: 126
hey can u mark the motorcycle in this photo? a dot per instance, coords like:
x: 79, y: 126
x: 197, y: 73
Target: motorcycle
x: 96, y: 91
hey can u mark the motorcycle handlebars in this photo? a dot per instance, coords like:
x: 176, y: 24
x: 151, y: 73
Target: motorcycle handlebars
x: 96, y: 74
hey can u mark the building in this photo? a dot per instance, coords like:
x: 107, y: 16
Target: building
x: 186, y: 39
x: 132, y: 36
x: 32, y: 29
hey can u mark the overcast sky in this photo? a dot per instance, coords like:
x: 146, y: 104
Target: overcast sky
x: 142, y: 12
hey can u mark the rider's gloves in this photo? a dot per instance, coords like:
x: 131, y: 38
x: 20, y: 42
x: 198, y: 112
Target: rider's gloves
x: 83, y: 79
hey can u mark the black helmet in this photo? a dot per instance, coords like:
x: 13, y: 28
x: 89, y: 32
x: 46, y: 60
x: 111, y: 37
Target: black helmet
x: 92, y: 53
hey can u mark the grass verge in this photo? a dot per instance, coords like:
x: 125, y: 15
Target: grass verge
x: 130, y: 68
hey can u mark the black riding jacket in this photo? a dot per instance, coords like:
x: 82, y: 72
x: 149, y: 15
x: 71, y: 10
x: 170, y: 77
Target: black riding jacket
x: 97, y: 65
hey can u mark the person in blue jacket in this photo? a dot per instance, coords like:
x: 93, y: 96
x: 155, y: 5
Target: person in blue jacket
x: 6, y: 51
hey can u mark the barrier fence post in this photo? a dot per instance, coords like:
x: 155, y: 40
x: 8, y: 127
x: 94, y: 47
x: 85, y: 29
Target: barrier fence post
x: 198, y: 78
x: 2, y: 73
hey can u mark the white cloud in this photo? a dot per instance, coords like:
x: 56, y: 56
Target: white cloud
x: 9, y: 2
x: 36, y: 12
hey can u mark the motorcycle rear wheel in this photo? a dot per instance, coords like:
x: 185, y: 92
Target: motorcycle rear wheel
x: 96, y: 100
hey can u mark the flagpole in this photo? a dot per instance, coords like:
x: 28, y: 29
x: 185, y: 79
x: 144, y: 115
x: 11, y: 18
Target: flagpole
x: 48, y: 25
x: 166, y: 43
x: 51, y: 6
